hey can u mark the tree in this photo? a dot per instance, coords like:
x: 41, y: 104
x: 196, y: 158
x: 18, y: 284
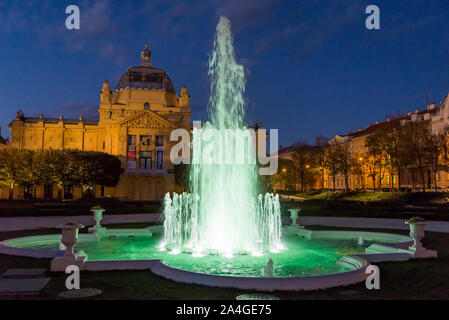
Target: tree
x: 109, y: 173
x: 395, y: 146
x: 29, y: 176
x: 320, y: 157
x: 182, y: 175
x: 378, y: 158
x: 331, y: 160
x: 417, y: 135
x: 285, y: 177
x: 345, y: 161
x: 41, y: 169
x: 12, y: 164
x: 357, y: 169
x: 302, y: 161
x: 437, y: 151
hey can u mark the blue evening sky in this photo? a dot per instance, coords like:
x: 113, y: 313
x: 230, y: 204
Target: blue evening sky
x: 312, y: 66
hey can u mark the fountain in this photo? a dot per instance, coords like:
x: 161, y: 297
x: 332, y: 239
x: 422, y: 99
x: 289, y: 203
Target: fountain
x: 223, y: 214
x: 223, y: 233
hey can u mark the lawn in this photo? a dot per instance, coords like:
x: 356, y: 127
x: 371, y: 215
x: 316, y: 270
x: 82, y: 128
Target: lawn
x: 416, y: 279
x: 422, y: 198
x: 403, y: 205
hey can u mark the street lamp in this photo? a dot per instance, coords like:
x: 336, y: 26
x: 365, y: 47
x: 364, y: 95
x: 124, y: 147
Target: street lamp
x: 363, y: 175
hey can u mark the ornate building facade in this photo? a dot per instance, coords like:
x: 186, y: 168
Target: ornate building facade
x: 437, y: 116
x: 135, y: 122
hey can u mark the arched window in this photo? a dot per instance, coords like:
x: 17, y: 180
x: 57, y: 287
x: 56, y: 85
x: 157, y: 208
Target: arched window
x: 146, y: 106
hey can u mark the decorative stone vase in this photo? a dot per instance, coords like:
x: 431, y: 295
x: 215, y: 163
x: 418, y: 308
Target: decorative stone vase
x: 294, y: 216
x: 97, y: 229
x: 69, y: 236
x: 69, y: 239
x: 268, y: 269
x: 417, y: 234
x: 98, y: 216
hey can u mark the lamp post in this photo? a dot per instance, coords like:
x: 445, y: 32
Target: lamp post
x: 362, y: 180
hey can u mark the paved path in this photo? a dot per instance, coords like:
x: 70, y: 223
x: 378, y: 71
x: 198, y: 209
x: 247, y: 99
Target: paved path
x: 371, y: 223
x: 25, y: 223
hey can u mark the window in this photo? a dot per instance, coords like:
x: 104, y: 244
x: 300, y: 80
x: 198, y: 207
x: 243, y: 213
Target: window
x: 146, y: 106
x: 159, y: 141
x: 132, y: 152
x: 104, y: 145
x: 146, y: 160
x: 145, y: 140
x: 394, y: 179
x: 159, y: 159
x: 132, y: 140
x: 48, y: 191
x: 414, y: 176
x: 68, y: 192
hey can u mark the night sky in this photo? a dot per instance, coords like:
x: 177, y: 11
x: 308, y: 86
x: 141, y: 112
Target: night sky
x: 312, y: 66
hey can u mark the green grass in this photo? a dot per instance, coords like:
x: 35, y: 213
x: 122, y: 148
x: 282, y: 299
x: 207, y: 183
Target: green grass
x: 317, y: 195
x: 374, y: 196
x: 416, y: 279
x: 423, y: 198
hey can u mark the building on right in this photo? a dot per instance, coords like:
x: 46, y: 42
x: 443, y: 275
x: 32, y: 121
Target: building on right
x: 403, y: 152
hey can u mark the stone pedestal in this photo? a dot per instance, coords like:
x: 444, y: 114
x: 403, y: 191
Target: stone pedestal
x: 70, y: 257
x: 97, y: 229
x: 294, y: 216
x: 268, y: 269
x: 417, y: 234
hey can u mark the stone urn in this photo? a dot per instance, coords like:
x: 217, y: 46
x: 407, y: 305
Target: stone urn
x: 268, y: 269
x: 417, y: 226
x: 69, y: 236
x: 98, y: 215
x: 70, y: 257
x: 294, y: 216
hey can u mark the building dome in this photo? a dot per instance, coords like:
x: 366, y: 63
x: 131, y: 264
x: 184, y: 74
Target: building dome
x: 145, y: 76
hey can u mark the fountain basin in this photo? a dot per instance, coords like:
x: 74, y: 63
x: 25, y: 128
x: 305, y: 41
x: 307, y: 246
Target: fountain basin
x: 313, y: 259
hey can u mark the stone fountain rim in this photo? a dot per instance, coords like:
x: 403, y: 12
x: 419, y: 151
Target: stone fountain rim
x: 357, y: 274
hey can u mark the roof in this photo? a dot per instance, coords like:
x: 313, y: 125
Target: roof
x: 146, y: 78
x: 284, y: 150
x: 56, y: 120
x: 372, y: 128
x: 293, y: 147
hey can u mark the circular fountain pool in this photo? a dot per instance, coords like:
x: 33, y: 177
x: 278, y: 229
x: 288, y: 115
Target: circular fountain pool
x: 317, y: 255
x: 311, y: 260
x: 301, y: 258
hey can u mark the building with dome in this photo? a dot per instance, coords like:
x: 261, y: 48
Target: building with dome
x: 135, y: 122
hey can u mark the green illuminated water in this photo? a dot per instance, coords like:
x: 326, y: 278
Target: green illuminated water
x: 223, y: 214
x: 302, y: 257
